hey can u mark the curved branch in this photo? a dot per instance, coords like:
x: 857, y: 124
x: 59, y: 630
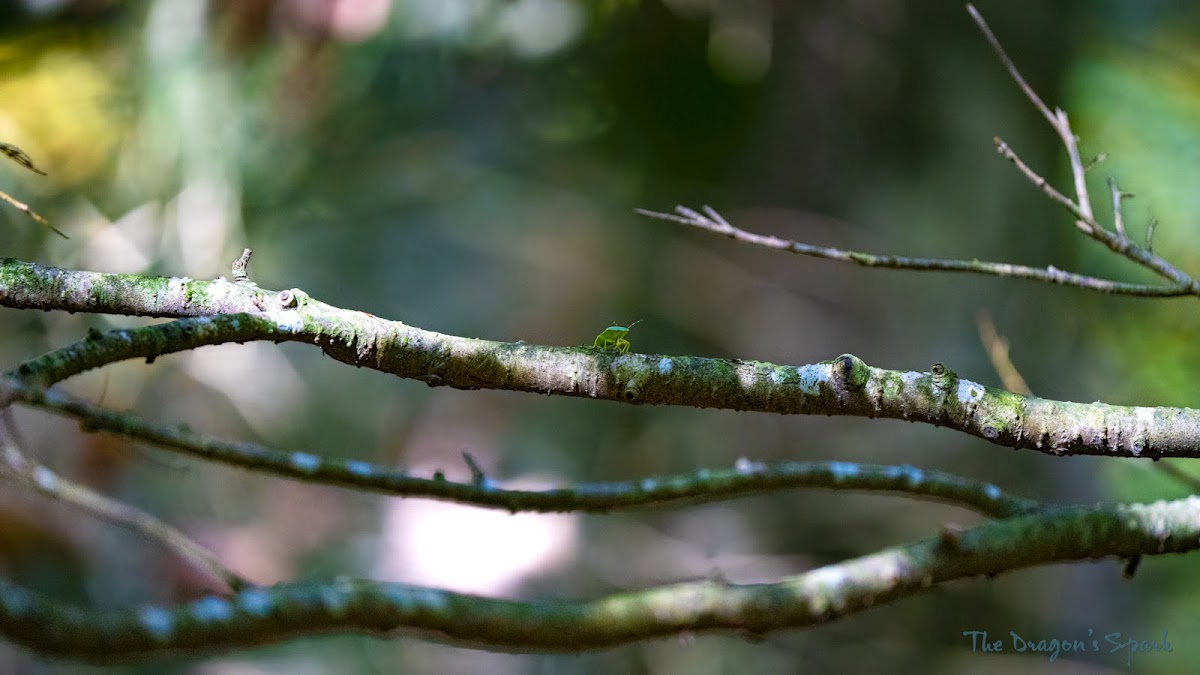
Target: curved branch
x: 842, y: 386
x: 271, y: 615
x: 701, y: 486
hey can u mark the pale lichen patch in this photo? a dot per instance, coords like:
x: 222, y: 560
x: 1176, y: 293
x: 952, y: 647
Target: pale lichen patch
x: 158, y: 622
x: 212, y: 608
x: 843, y: 470
x: 969, y: 392
x: 812, y: 376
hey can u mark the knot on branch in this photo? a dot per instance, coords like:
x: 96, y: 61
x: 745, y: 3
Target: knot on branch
x: 850, y: 372
x: 288, y: 300
x: 944, y: 379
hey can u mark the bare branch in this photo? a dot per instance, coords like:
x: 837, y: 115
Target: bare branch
x: 996, y: 347
x: 22, y: 206
x: 19, y: 468
x: 997, y: 350
x: 17, y: 155
x: 1035, y: 178
x: 1080, y: 208
x: 261, y: 616
x: 701, y: 486
x: 1012, y: 68
x: 1051, y: 275
x: 1117, y: 197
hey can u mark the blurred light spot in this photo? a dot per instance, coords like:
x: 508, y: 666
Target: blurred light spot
x: 739, y: 54
x: 689, y: 7
x: 44, y: 6
x: 58, y: 109
x: 258, y: 380
x: 174, y: 26
x: 125, y: 245
x: 356, y: 20
x: 439, y: 18
x: 539, y: 27
x: 204, y: 212
x: 469, y: 549
x: 350, y: 20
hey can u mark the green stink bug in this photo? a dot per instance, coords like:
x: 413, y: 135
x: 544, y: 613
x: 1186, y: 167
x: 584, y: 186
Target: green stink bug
x: 613, y: 338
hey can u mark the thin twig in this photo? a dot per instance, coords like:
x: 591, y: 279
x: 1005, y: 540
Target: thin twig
x: 1117, y: 197
x: 714, y: 222
x: 1035, y: 178
x: 996, y: 347
x: 16, y: 466
x: 22, y: 206
x: 17, y: 155
x: 1012, y: 68
x: 1081, y: 208
x: 997, y: 350
x: 1057, y: 119
x: 1078, y: 172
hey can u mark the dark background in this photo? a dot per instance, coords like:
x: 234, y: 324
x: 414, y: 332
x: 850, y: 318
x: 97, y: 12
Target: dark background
x: 472, y: 168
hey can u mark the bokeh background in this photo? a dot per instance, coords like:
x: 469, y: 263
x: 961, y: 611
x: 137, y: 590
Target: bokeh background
x: 472, y: 166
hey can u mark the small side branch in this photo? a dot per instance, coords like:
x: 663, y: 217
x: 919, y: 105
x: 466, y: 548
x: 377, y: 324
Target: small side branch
x: 17, y: 155
x: 712, y: 221
x: 22, y: 206
x: 1035, y: 178
x: 1080, y: 207
x: 17, y: 467
x: 1011, y: 67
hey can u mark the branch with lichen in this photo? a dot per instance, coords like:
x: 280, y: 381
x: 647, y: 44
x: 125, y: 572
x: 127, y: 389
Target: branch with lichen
x: 221, y: 311
x: 260, y: 616
x: 234, y: 312
x: 1026, y: 532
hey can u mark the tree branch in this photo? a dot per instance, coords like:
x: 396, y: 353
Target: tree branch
x: 18, y: 468
x: 712, y: 221
x: 262, y: 616
x: 1080, y: 207
x: 842, y: 386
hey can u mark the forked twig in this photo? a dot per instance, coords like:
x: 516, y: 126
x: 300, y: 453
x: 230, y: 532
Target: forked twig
x: 1080, y: 208
x: 713, y: 222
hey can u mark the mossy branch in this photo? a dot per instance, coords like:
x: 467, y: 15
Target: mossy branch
x: 261, y: 616
x: 236, y: 312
